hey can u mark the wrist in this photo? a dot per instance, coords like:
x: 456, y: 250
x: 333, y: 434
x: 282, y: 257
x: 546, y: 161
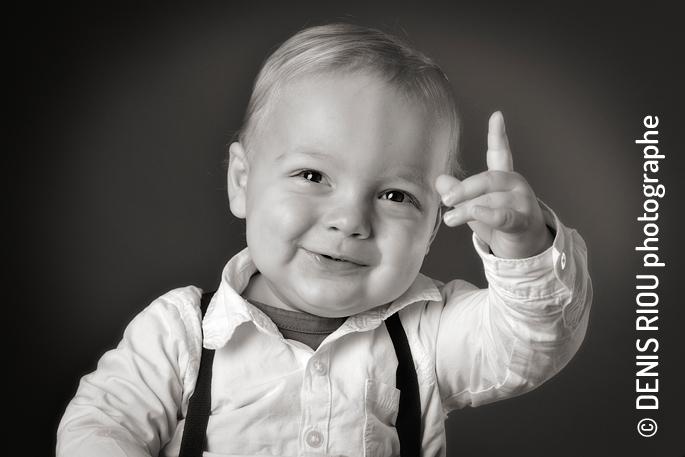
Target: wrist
x: 531, y: 245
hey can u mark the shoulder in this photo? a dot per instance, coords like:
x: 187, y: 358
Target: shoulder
x: 172, y: 322
x: 428, y: 312
x: 434, y: 305
x: 182, y: 303
x: 177, y: 307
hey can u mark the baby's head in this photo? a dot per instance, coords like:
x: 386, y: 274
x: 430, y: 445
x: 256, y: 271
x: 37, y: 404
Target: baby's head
x: 334, y: 169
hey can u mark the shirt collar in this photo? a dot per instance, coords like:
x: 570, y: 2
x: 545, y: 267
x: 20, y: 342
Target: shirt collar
x: 227, y: 309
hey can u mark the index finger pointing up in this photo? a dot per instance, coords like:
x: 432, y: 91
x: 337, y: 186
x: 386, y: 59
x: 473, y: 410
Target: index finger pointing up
x: 499, y: 155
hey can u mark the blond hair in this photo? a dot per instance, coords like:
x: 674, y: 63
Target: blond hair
x: 352, y: 48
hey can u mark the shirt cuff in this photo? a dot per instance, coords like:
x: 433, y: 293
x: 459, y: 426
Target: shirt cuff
x: 548, y: 273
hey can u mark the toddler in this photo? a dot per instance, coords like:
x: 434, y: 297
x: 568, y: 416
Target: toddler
x: 342, y: 169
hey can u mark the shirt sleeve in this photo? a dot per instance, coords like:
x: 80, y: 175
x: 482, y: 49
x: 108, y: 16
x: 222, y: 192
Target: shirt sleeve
x: 507, y: 339
x: 130, y: 405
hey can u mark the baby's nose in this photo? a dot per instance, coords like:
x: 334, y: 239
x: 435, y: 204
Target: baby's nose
x: 350, y: 218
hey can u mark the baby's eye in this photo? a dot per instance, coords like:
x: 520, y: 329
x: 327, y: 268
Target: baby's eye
x: 396, y: 196
x: 311, y: 175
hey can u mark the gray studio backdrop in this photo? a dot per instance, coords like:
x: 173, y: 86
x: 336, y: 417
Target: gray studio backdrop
x: 124, y: 122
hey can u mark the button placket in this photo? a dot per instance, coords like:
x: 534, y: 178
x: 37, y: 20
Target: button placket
x: 317, y: 401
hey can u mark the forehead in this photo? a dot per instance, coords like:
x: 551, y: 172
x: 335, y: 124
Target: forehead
x: 355, y: 117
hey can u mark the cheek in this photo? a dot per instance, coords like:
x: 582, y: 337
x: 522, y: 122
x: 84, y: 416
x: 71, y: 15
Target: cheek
x: 274, y: 220
x: 405, y: 247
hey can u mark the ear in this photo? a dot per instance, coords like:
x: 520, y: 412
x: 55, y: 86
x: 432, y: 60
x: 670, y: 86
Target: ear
x: 438, y: 220
x: 237, y: 179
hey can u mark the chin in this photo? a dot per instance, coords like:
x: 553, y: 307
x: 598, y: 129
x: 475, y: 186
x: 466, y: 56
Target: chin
x: 334, y: 306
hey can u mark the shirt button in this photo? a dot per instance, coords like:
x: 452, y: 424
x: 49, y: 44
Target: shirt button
x: 314, y: 438
x: 563, y: 260
x: 319, y: 368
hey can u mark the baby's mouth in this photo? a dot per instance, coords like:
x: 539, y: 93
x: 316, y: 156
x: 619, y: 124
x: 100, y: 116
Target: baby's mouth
x: 338, y: 258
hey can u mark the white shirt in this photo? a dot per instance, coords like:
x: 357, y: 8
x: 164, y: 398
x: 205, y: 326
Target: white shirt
x: 272, y: 396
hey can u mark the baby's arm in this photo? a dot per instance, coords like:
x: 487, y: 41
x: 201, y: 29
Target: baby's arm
x: 131, y: 404
x: 505, y: 340
x: 511, y: 337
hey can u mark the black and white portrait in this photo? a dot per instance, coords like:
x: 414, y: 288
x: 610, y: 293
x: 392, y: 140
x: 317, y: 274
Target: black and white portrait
x: 120, y: 120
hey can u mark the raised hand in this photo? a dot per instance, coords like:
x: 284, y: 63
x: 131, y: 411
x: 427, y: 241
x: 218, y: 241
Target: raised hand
x: 498, y: 204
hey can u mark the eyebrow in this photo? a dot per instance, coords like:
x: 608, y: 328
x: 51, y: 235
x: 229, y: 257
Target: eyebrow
x: 413, y: 177
x: 306, y: 150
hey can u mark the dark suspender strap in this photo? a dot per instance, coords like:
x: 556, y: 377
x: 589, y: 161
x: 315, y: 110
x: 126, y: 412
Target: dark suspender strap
x: 408, y: 422
x: 195, y: 428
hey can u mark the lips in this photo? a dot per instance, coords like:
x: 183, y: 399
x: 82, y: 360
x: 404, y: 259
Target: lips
x: 340, y: 258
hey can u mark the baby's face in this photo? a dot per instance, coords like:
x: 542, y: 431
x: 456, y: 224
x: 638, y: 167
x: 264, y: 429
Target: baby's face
x: 339, y: 195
